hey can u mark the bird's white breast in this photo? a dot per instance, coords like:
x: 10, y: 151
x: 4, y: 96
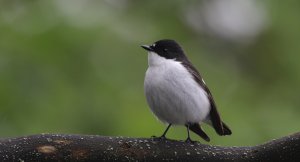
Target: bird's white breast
x: 172, y: 94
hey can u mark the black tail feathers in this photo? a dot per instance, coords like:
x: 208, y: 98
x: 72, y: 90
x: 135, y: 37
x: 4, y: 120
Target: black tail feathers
x: 226, y: 129
x: 222, y: 129
x: 198, y: 130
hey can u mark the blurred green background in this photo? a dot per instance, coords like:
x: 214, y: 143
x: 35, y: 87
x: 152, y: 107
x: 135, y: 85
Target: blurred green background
x: 73, y: 66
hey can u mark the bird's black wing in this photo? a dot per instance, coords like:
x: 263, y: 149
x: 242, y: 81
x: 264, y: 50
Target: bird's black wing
x: 220, y: 127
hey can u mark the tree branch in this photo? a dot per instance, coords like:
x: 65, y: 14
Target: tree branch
x: 52, y: 147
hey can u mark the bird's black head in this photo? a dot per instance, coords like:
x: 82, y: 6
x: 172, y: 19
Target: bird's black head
x: 166, y: 48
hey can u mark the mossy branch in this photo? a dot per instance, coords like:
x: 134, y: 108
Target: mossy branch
x: 59, y: 147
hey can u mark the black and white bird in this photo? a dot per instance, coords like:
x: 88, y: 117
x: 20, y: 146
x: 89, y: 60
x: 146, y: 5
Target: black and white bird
x: 176, y: 92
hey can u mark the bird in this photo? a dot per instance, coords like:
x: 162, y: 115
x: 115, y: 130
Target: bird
x: 177, y: 94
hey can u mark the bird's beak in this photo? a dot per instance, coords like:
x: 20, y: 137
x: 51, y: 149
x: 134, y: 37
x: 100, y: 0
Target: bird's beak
x: 147, y: 48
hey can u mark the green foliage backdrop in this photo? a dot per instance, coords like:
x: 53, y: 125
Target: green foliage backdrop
x: 71, y: 66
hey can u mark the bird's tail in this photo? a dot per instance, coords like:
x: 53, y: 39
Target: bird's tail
x: 226, y: 130
x: 196, y: 128
x: 222, y: 129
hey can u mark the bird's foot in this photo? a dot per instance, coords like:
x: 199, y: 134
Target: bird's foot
x: 189, y: 140
x: 161, y: 138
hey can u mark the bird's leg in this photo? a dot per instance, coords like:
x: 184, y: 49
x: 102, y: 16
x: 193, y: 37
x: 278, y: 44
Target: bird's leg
x: 163, y: 136
x: 188, y: 131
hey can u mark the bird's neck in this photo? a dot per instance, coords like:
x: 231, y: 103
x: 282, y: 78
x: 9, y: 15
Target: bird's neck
x: 155, y: 60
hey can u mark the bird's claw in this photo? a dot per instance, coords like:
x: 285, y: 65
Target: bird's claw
x: 189, y: 140
x: 161, y: 138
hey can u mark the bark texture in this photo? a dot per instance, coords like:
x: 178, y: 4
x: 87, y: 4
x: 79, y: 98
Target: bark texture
x: 60, y: 147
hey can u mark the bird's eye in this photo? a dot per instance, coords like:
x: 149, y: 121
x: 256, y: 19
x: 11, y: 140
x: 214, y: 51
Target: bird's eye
x: 165, y: 49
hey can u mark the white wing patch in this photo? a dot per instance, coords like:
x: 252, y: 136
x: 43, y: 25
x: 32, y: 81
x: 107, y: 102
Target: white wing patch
x: 203, y: 81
